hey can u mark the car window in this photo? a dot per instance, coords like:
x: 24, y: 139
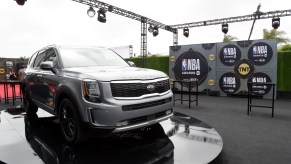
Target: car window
x: 40, y: 58
x: 52, y: 56
x: 86, y: 57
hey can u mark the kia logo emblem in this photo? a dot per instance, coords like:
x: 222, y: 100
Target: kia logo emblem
x: 150, y: 88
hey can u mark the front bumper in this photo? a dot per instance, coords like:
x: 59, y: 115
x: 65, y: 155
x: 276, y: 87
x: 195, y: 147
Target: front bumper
x: 111, y: 114
x: 143, y: 124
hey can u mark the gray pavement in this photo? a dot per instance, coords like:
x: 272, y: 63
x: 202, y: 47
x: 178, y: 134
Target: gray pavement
x: 257, y: 138
x: 14, y: 148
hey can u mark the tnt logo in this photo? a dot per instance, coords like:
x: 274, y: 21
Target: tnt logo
x: 244, y: 69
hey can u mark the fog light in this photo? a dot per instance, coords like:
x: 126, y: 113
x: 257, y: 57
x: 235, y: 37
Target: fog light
x: 168, y: 112
x: 122, y: 123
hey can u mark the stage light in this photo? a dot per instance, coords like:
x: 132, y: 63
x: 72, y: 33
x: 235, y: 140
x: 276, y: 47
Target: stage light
x: 91, y: 12
x: 186, y: 32
x: 275, y: 23
x: 151, y: 28
x: 155, y: 31
x: 20, y: 2
x: 224, y: 28
x: 101, y: 16
x: 110, y: 8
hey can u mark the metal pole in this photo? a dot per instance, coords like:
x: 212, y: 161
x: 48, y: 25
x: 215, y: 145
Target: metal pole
x: 143, y: 40
x: 252, y: 28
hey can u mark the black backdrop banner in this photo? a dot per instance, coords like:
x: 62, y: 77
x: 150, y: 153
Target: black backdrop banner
x: 226, y: 67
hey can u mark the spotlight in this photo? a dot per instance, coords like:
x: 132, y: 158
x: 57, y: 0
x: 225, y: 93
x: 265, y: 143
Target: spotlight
x: 151, y: 28
x: 91, y: 12
x: 224, y: 28
x: 275, y: 23
x: 186, y: 32
x: 155, y: 31
x: 101, y: 16
x: 110, y: 8
x: 20, y: 2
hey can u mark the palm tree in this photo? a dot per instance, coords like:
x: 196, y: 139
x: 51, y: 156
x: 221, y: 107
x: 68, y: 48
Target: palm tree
x: 276, y: 34
x: 228, y: 38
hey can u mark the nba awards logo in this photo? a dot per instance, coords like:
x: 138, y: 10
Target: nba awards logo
x: 259, y: 79
x: 229, y: 83
x: 260, y: 53
x: 191, y: 66
x: 257, y: 50
x: 229, y: 55
x: 229, y: 52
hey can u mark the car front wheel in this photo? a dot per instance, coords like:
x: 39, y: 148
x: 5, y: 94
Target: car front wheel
x: 69, y: 121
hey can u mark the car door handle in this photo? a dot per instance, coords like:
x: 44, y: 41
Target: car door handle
x: 39, y: 75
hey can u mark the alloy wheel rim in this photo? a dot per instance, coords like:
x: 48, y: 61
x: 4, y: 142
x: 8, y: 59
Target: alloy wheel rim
x: 68, y: 122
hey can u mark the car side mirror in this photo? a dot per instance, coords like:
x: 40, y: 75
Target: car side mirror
x: 48, y: 66
x: 131, y: 63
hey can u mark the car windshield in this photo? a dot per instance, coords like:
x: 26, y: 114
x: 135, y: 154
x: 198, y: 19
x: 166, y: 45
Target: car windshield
x: 87, y: 57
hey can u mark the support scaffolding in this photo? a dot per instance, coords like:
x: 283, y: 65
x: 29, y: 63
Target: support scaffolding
x: 143, y: 40
x: 174, y: 28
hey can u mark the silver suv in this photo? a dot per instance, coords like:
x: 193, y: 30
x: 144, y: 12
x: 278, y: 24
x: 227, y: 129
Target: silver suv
x: 94, y: 88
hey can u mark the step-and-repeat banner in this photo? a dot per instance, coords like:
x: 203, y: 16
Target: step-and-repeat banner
x: 226, y: 67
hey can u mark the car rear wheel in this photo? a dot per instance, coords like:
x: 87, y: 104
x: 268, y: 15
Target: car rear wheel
x: 28, y: 105
x: 69, y: 122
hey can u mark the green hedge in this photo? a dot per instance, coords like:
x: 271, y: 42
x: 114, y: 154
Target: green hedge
x: 157, y: 63
x: 284, y: 71
x: 283, y: 77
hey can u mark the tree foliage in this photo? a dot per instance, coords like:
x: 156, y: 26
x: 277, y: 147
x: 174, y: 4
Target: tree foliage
x: 286, y: 47
x: 228, y: 38
x: 276, y: 34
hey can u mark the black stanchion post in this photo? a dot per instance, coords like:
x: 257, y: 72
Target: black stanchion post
x: 181, y: 92
x: 273, y: 100
x: 248, y: 112
x: 189, y: 87
x: 174, y: 92
x: 251, y: 97
x: 196, y: 93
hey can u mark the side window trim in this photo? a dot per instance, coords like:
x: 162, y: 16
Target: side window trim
x: 42, y: 52
x: 32, y: 59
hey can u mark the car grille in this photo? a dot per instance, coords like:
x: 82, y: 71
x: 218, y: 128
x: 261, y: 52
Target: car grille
x: 145, y: 105
x: 138, y: 89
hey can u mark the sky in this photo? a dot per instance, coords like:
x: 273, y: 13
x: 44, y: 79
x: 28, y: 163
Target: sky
x: 26, y: 29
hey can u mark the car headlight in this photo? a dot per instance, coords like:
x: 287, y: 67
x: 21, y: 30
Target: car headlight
x: 91, y: 90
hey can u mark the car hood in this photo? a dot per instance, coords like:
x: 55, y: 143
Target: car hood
x: 113, y: 73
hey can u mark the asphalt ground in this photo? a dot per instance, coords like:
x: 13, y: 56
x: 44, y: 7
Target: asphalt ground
x: 254, y: 138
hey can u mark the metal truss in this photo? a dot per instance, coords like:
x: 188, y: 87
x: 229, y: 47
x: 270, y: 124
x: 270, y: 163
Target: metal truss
x: 256, y: 15
x: 174, y: 28
x: 143, y: 49
x: 175, y: 38
x: 122, y: 12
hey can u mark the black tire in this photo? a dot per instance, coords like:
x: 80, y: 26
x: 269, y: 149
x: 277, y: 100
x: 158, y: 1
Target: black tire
x: 28, y: 105
x: 70, y: 122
